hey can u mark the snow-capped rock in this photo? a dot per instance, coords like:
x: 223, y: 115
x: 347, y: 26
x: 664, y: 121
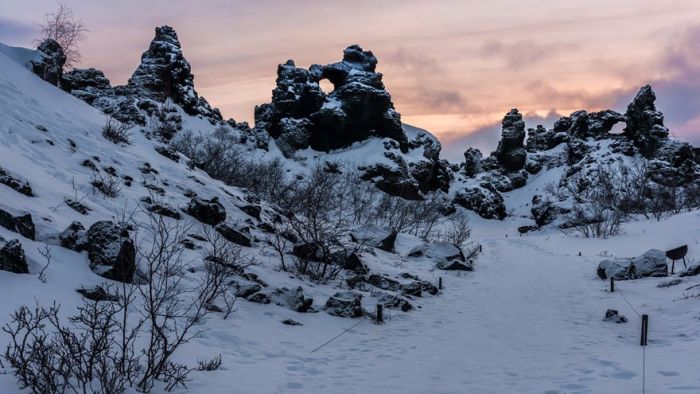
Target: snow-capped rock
x: 49, y: 61
x: 651, y: 263
x: 12, y: 258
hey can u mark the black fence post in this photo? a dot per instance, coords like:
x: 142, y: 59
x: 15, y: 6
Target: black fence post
x: 479, y: 248
x: 440, y: 283
x: 612, y: 284
x: 380, y: 314
x: 645, y: 329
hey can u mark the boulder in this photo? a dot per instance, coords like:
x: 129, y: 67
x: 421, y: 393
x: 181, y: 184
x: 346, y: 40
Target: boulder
x: 511, y: 153
x: 651, y: 263
x: 98, y: 293
x: 354, y: 263
x: 484, y: 200
x: 345, y: 304
x: 111, y: 252
x: 472, y: 162
x: 447, y: 256
x: 293, y: 299
x: 49, y: 61
x: 544, y: 211
x: 210, y: 212
x: 245, y: 291
x: 12, y: 258
x: 20, y: 223
x: 384, y: 282
x: 375, y: 236
x: 89, y: 85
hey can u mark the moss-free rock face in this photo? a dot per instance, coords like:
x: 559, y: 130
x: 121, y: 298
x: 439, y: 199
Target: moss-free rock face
x: 345, y: 304
x: 49, y: 62
x: 510, y: 152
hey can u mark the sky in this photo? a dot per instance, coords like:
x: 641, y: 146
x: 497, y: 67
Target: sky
x: 452, y: 67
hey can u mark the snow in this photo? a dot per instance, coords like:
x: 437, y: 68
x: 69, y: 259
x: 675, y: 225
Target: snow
x: 529, y: 319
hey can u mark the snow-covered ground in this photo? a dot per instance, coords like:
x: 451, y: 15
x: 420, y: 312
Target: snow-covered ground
x: 529, y: 319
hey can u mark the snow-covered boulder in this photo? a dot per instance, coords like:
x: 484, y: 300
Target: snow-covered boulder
x: 391, y: 301
x: 544, y: 211
x: 233, y: 235
x: 651, y: 263
x: 345, y: 304
x: 15, y: 182
x: 70, y: 237
x: 12, y: 258
x: 89, y: 85
x: 446, y: 255
x: 375, y: 236
x: 611, y: 315
x: 111, y: 252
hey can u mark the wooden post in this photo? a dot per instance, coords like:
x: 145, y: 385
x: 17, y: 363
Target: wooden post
x: 479, y: 248
x: 380, y: 314
x: 645, y: 329
x: 612, y: 284
x: 440, y: 283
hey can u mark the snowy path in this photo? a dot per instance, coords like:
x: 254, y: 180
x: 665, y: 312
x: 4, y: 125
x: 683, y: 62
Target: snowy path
x: 515, y: 325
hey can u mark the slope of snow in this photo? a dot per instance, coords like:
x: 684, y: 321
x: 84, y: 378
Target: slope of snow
x: 528, y: 319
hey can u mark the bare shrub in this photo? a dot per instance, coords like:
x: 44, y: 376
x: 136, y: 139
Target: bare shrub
x: 116, y: 131
x: 457, y: 230
x: 62, y: 27
x: 595, y: 220
x: 107, y: 184
x: 209, y: 365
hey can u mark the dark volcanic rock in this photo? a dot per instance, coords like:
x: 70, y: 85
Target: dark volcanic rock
x: 21, y: 224
x: 544, y: 211
x: 302, y: 115
x: 472, y: 162
x: 12, y: 258
x: 510, y: 152
x: 15, y: 182
x: 165, y: 73
x: 98, y: 293
x: 611, y: 315
x: 233, y: 235
x: 485, y: 200
x: 111, y: 252
x: 49, y: 62
x: 345, y: 304
x: 71, y: 236
x: 541, y: 139
x: 645, y: 125
x: 447, y: 256
x: 89, y: 85
x: 207, y: 211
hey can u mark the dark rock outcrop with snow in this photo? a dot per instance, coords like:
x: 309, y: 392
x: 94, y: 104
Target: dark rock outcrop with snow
x: 651, y: 263
x: 301, y: 115
x: 49, y: 61
x: 111, y: 252
x: 510, y: 152
x: 345, y: 304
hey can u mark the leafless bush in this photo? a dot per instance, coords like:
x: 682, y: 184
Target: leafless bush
x: 209, y: 365
x: 93, y: 352
x: 46, y: 253
x: 166, y: 122
x: 116, y: 131
x: 595, y: 220
x: 107, y: 184
x: 220, y: 155
x: 62, y: 26
x: 457, y: 230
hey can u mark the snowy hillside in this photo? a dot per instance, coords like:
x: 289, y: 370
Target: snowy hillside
x: 271, y: 241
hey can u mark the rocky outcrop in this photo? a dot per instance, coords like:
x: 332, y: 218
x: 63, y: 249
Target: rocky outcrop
x: 544, y: 211
x: 165, y: 73
x: 510, y: 152
x: 301, y: 115
x: 12, y: 258
x: 582, y: 124
x: 16, y: 183
x: 651, y: 263
x: 72, y: 235
x: 541, y: 139
x: 472, y: 162
x: 233, y: 235
x: 89, y: 85
x: 49, y: 61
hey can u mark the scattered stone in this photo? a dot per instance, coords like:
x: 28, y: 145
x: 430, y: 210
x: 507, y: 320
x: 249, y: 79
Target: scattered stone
x: 16, y: 183
x: 447, y: 256
x: 691, y: 271
x: 98, y: 294
x: 233, y: 235
x: 611, y: 315
x: 291, y: 322
x: 207, y: 211
x: 169, y: 152
x: 669, y: 283
x: 72, y: 235
x: 245, y: 291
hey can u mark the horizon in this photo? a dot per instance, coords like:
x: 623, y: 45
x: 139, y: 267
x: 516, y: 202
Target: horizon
x: 452, y: 78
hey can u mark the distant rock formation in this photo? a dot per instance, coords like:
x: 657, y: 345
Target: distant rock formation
x: 301, y: 115
x: 510, y: 152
